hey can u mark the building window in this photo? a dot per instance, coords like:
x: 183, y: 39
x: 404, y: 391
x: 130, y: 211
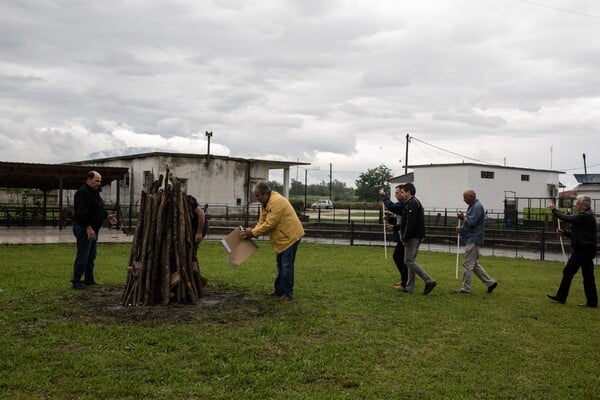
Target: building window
x: 524, y: 178
x: 487, y: 175
x: 148, y: 179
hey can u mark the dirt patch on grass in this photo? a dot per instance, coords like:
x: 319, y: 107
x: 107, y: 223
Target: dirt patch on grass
x: 103, y: 303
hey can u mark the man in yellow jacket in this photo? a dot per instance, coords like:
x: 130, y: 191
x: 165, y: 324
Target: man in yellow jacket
x: 279, y: 220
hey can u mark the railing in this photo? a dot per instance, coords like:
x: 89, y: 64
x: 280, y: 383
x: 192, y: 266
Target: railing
x: 340, y: 226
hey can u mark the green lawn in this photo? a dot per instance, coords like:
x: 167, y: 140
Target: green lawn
x: 346, y: 335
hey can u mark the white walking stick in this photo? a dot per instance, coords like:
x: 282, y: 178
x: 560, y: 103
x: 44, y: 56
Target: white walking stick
x: 562, y: 244
x: 384, y: 233
x: 457, y: 251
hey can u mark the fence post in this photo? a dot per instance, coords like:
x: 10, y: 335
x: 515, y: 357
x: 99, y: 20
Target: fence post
x: 349, y: 211
x: 352, y: 233
x: 543, y: 244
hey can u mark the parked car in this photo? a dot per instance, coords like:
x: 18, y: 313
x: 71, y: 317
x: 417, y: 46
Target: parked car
x: 328, y: 204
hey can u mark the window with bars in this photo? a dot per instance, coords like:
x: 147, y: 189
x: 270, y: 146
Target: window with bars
x: 487, y: 174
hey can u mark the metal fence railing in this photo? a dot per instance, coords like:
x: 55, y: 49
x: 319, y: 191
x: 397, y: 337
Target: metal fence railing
x: 531, y: 230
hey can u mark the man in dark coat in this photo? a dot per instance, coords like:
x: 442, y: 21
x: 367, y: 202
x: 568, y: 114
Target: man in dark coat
x: 583, y: 251
x: 87, y: 220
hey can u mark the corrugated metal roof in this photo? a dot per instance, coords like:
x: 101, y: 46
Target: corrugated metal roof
x: 47, y: 177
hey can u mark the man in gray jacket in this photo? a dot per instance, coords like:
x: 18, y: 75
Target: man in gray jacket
x: 471, y: 235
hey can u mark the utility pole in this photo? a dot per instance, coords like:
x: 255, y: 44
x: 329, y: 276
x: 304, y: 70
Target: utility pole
x: 584, y: 166
x: 406, y: 156
x: 330, y: 177
x: 305, y: 187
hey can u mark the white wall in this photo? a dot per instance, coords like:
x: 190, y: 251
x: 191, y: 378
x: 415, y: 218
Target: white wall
x: 441, y: 187
x: 221, y: 181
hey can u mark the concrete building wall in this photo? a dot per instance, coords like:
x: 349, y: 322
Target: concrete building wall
x: 218, y: 181
x: 441, y: 186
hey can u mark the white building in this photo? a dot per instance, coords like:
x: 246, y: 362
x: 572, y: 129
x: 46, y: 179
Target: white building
x: 440, y: 186
x: 212, y: 179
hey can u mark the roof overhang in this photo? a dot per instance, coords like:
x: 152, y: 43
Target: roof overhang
x: 46, y: 177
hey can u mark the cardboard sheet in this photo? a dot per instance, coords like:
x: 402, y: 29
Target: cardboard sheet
x: 238, y: 249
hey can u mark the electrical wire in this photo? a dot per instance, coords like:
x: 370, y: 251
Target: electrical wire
x: 559, y: 9
x: 486, y: 162
x: 451, y: 152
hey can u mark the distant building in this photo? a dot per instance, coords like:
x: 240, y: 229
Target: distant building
x: 589, y: 185
x: 440, y: 186
x: 211, y: 179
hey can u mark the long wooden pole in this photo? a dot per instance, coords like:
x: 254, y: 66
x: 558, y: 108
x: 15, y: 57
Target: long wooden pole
x: 457, y: 251
x: 384, y: 232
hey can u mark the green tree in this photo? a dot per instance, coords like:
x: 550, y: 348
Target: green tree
x: 296, y: 188
x: 276, y: 186
x: 368, y: 183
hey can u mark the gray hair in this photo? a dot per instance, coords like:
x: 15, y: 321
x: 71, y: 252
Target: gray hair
x: 262, y: 187
x: 584, y: 200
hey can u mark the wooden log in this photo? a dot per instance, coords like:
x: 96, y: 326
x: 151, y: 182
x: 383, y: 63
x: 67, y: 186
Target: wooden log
x: 166, y: 256
x: 185, y: 249
x: 156, y: 269
x: 138, y: 299
x: 150, y: 261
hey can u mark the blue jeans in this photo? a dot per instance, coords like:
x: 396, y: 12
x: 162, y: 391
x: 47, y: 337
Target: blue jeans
x: 284, y: 283
x: 86, y: 254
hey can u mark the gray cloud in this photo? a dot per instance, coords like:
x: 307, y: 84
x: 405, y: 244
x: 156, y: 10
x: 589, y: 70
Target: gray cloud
x: 319, y: 80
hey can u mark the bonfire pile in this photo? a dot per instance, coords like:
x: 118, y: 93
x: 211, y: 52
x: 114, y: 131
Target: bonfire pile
x: 161, y: 266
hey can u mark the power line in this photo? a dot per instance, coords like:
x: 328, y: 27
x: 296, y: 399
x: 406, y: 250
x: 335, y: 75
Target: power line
x: 486, y: 162
x: 451, y: 152
x: 559, y: 9
x: 576, y: 168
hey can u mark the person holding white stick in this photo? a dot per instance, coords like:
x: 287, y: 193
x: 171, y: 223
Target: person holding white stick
x: 471, y: 235
x: 394, y: 226
x: 583, y: 251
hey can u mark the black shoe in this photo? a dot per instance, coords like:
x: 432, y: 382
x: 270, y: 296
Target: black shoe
x: 555, y: 298
x: 461, y: 291
x: 429, y: 287
x: 79, y: 286
x: 92, y: 283
x: 492, y: 287
x: 587, y: 305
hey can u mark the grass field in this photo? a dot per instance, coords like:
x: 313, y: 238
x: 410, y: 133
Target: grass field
x: 346, y: 335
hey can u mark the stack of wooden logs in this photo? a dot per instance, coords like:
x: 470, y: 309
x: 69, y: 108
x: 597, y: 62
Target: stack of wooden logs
x: 161, y: 264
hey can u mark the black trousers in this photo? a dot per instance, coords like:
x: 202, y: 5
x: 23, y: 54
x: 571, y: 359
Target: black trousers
x: 585, y: 260
x: 398, y: 257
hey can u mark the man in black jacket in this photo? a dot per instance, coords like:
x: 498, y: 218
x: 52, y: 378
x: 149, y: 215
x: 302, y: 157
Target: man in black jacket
x: 412, y: 233
x: 583, y: 251
x: 398, y: 256
x: 87, y: 221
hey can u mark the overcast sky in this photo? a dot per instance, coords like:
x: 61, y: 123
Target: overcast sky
x: 321, y: 81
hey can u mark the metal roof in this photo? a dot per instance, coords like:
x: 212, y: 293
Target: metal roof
x: 47, y: 177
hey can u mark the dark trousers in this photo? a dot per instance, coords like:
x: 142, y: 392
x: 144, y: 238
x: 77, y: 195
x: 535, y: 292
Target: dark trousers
x: 585, y: 260
x: 398, y: 257
x: 284, y: 283
x: 86, y: 254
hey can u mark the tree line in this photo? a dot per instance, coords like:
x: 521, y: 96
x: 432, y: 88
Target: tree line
x: 367, y: 187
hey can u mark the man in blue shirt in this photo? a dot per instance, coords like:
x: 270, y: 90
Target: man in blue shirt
x: 471, y: 235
